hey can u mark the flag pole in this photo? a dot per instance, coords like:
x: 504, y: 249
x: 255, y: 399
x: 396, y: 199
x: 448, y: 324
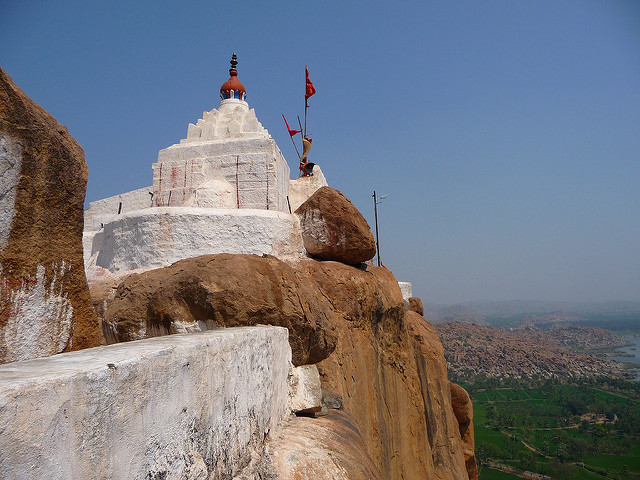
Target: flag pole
x: 291, y: 135
x: 305, y: 122
x: 306, y: 106
x: 300, y: 125
x: 295, y: 146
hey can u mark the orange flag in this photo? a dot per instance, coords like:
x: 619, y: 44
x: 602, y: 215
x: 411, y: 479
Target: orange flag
x: 291, y: 132
x: 310, y: 88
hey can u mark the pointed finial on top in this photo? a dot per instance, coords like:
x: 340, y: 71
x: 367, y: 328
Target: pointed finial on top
x: 234, y: 61
x: 233, y: 88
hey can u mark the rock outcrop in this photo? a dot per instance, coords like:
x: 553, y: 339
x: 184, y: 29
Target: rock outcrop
x: 463, y: 410
x: 415, y: 305
x: 389, y: 367
x: 223, y: 290
x: 384, y: 364
x: 333, y: 229
x: 45, y: 307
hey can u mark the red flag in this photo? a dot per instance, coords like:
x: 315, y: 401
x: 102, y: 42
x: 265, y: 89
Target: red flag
x: 310, y: 88
x: 291, y: 132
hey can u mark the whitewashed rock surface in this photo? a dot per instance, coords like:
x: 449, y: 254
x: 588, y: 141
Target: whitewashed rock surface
x: 179, y: 407
x: 305, y: 390
x: 37, y: 316
x: 303, y: 187
x: 10, y: 162
x: 407, y: 289
x: 38, y: 313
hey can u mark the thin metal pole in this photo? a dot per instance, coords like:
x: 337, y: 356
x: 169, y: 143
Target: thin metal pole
x: 375, y: 212
x: 304, y: 133
x: 295, y: 146
x: 305, y: 116
x: 303, y: 137
x: 291, y: 136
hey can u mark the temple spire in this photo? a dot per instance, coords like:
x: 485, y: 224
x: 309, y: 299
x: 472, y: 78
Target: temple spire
x: 233, y: 88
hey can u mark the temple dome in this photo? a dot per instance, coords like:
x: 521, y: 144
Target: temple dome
x: 233, y: 88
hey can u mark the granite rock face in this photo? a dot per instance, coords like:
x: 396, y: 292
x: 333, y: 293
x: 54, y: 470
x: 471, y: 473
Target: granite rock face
x: 463, y: 410
x: 333, y: 229
x: 45, y: 307
x: 325, y: 448
x: 223, y: 290
x: 390, y: 369
x: 383, y: 364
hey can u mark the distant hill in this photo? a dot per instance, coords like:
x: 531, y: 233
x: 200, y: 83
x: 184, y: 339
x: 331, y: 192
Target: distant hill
x: 618, y: 315
x: 527, y: 351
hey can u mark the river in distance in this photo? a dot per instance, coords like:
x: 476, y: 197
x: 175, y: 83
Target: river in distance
x: 633, y: 352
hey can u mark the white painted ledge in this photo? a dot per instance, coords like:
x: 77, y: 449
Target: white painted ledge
x: 174, y: 407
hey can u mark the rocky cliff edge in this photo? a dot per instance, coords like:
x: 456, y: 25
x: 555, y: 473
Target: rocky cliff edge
x: 384, y: 363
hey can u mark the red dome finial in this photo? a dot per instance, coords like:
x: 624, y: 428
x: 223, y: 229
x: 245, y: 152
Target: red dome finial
x: 233, y: 88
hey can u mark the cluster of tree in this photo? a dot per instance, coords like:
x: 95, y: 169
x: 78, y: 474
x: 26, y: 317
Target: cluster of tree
x: 562, y: 420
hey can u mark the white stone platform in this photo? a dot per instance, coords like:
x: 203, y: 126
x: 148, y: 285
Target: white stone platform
x: 175, y: 407
x: 159, y: 236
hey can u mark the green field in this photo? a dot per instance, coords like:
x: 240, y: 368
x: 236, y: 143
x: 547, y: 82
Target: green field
x: 567, y: 431
x: 617, y: 462
x: 490, y: 474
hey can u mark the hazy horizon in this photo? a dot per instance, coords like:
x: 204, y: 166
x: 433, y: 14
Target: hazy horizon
x: 505, y: 134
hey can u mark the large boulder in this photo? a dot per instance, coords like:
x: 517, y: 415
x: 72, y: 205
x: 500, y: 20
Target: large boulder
x: 415, y: 305
x: 43, y: 289
x: 333, y: 229
x: 223, y: 290
x: 463, y: 410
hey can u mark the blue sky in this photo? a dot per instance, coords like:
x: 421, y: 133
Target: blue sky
x: 506, y: 134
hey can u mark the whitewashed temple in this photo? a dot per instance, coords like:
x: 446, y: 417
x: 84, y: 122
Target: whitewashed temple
x: 225, y: 188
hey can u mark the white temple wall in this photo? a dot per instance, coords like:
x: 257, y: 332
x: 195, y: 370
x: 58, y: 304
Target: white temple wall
x: 159, y: 236
x: 102, y: 211
x: 283, y: 174
x: 180, y: 406
x: 232, y: 119
x: 407, y: 289
x: 247, y: 173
